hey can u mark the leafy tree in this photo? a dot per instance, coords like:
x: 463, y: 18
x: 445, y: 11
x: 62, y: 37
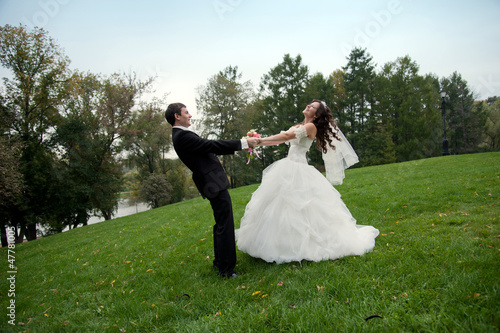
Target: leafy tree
x: 32, y: 96
x: 150, y: 138
x: 282, y: 91
x: 179, y: 177
x: 492, y: 127
x: 11, y: 182
x: 227, y: 113
x: 155, y: 190
x: 132, y: 184
x: 74, y: 173
x: 98, y: 118
x: 11, y: 179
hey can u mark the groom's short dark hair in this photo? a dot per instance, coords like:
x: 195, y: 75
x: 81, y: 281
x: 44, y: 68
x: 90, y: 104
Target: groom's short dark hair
x: 172, y: 109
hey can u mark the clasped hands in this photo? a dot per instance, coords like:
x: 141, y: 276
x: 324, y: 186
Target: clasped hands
x: 252, y: 142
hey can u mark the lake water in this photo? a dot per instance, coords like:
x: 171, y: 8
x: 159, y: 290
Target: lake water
x: 125, y: 208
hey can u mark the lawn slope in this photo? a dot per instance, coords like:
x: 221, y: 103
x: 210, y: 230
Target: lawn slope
x: 435, y: 266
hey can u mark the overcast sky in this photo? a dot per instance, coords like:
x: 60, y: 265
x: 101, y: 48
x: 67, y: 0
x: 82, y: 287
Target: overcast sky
x: 185, y: 42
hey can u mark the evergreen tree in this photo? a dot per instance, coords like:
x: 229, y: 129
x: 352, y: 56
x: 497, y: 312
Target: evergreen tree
x: 360, y: 121
x: 282, y: 91
x: 465, y: 121
x: 317, y: 88
x: 407, y: 105
x: 337, y: 101
x: 359, y: 78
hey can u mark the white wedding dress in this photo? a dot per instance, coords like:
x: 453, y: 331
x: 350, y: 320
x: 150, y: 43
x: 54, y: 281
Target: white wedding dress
x: 296, y: 214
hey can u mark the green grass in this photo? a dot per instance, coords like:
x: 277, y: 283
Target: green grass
x: 435, y: 266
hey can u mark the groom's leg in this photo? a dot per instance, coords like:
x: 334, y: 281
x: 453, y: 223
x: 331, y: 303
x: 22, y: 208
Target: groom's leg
x: 224, y: 241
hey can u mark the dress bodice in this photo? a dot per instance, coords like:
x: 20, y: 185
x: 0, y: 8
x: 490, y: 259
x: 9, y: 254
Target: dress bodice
x: 300, y: 145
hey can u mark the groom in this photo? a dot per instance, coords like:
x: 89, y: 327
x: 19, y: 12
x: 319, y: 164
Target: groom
x: 199, y: 155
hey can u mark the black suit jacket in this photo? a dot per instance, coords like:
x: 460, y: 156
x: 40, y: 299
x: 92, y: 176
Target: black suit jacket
x: 199, y: 155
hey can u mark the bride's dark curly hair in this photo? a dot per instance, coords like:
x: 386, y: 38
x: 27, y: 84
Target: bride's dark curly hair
x: 324, y: 122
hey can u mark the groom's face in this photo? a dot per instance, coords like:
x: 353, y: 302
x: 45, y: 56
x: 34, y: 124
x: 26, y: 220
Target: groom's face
x: 184, y: 119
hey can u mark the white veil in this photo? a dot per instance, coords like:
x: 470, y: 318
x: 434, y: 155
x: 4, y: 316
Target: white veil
x: 338, y: 159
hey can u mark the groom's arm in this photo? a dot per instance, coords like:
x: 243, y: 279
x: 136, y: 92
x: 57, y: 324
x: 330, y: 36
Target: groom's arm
x: 193, y: 143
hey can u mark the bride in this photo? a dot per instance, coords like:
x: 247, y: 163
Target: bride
x: 296, y: 214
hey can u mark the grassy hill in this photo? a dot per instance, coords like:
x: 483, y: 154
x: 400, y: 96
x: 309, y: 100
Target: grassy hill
x: 435, y: 266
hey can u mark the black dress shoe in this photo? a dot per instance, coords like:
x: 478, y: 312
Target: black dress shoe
x: 230, y: 275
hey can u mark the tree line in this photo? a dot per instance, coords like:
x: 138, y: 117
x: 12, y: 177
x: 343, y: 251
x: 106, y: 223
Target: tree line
x: 72, y: 142
x: 389, y: 116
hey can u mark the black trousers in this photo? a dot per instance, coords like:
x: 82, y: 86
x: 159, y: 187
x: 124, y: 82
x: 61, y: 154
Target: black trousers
x: 224, y: 240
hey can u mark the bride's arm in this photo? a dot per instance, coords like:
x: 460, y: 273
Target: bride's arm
x: 276, y: 139
x: 286, y: 136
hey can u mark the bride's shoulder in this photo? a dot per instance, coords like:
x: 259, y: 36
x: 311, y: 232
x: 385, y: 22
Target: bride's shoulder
x: 311, y: 130
x: 306, y: 126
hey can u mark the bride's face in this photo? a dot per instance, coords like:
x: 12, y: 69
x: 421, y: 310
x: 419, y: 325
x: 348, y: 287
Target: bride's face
x: 310, y: 110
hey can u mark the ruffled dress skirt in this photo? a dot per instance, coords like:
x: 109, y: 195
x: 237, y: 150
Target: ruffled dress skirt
x: 296, y: 214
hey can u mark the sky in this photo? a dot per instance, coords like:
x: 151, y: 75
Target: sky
x: 185, y: 42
